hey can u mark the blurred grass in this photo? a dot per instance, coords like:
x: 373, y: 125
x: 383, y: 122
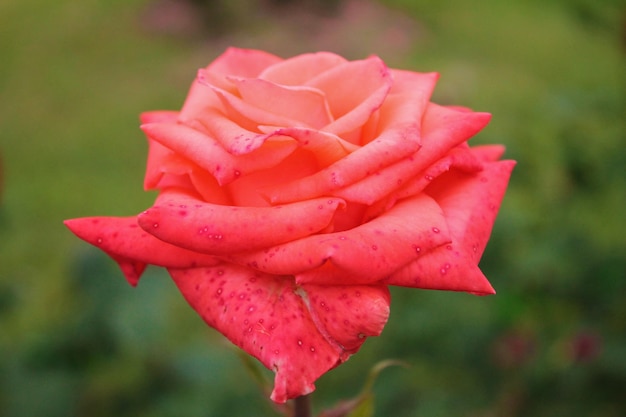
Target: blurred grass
x: 76, y: 340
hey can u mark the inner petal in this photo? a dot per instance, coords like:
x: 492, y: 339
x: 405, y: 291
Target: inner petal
x: 304, y: 104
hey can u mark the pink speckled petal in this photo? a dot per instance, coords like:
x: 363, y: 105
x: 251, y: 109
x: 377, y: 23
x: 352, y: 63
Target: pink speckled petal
x: 216, y: 229
x: 470, y: 203
x: 346, y: 314
x: 206, y: 152
x: 233, y: 137
x: 361, y: 255
x: 274, y: 320
x: 443, y: 129
x: 123, y: 240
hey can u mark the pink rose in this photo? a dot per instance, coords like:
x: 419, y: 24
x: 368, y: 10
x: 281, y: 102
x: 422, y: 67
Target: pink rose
x: 293, y: 192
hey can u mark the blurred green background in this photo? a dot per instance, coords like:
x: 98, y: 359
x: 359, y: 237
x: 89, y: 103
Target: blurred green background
x: 76, y: 340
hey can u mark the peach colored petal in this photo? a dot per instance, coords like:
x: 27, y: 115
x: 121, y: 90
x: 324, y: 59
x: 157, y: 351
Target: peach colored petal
x: 220, y: 230
x: 281, y: 324
x: 362, y: 255
x: 249, y: 116
x: 301, y: 68
x: 470, y: 204
x: 233, y: 62
x: 243, y: 62
x: 407, y: 101
x: 349, y: 84
x: 208, y: 154
x: 123, y: 240
x: 361, y: 111
x: 306, y: 105
x: 390, y: 147
x: 199, y: 98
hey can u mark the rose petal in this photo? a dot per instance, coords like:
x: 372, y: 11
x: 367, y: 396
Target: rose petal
x: 349, y: 85
x: 273, y: 320
x: 470, y: 204
x: 166, y: 169
x: 233, y: 62
x: 248, y: 116
x: 247, y: 191
x: 347, y: 314
x: 159, y: 116
x: 388, y: 148
x: 361, y: 255
x: 460, y: 158
x: 301, y: 68
x: 443, y: 129
x: 217, y: 229
x: 208, y: 154
x: 243, y: 62
x: 326, y: 147
x: 199, y: 98
x: 123, y: 240
x: 233, y: 137
x: 407, y: 101
x: 305, y: 105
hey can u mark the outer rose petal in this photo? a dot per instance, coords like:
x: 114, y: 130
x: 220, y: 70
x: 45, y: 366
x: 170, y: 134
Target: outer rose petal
x: 123, y: 240
x: 346, y: 314
x: 219, y: 230
x: 362, y: 255
x: 280, y: 324
x: 443, y: 129
x: 470, y: 204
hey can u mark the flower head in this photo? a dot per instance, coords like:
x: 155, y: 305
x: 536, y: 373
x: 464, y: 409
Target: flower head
x: 293, y: 192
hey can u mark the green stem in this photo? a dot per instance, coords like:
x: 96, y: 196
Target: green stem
x: 302, y: 406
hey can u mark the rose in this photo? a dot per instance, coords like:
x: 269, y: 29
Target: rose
x: 293, y: 192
